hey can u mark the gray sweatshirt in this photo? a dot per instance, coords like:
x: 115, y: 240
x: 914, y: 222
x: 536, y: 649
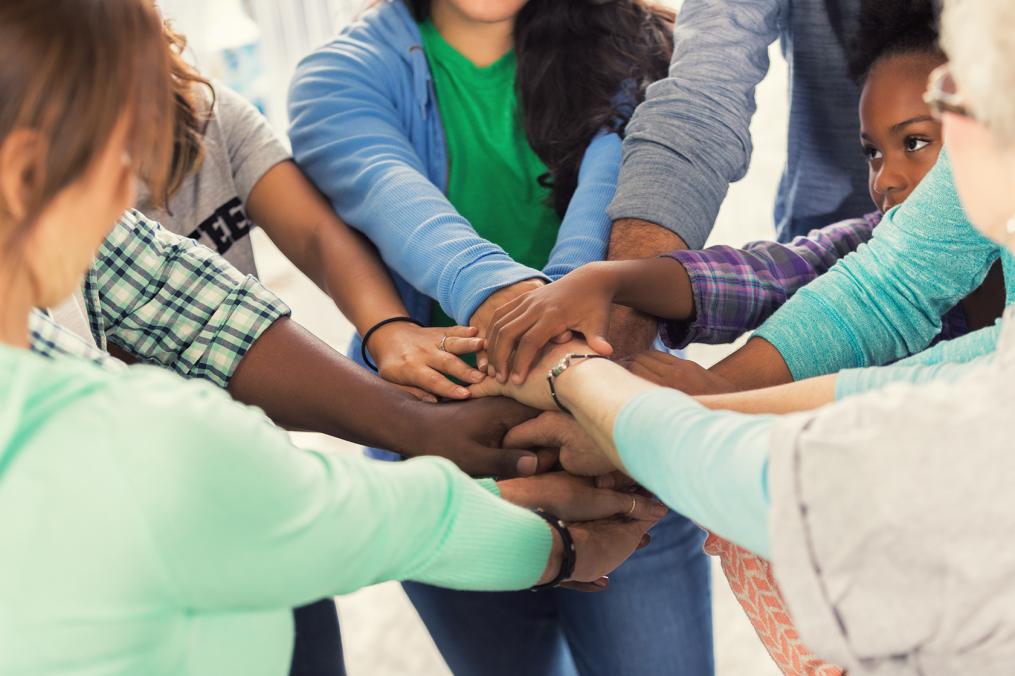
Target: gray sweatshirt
x: 691, y: 137
x: 891, y: 525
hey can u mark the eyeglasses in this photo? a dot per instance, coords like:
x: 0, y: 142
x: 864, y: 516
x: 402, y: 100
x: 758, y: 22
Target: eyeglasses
x: 942, y: 95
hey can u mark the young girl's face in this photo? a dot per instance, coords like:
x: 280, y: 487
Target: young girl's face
x: 63, y: 241
x: 900, y: 138
x: 485, y: 11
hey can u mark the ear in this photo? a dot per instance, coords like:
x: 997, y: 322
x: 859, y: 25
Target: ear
x: 22, y: 162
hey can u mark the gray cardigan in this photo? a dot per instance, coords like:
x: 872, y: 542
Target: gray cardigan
x: 892, y: 523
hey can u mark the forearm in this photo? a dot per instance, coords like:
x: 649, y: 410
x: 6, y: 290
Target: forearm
x: 340, y: 261
x: 755, y: 365
x: 804, y: 395
x: 301, y: 383
x: 708, y: 465
x: 632, y: 331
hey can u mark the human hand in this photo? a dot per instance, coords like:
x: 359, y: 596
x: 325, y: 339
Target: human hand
x: 578, y: 453
x: 685, y: 375
x: 600, y: 547
x: 471, y: 435
x: 535, y: 391
x: 411, y: 356
x: 579, y: 302
x: 483, y: 315
x: 573, y: 498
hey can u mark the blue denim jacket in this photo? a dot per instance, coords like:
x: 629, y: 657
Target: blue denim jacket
x: 365, y: 127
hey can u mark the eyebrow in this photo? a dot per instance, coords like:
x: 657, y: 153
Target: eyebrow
x: 913, y: 120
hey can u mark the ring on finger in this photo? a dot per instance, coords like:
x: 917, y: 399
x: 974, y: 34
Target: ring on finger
x: 634, y: 505
x: 443, y: 344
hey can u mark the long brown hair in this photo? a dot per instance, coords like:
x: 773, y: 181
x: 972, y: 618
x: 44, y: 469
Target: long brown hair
x: 583, y: 66
x: 190, y: 117
x: 70, y: 70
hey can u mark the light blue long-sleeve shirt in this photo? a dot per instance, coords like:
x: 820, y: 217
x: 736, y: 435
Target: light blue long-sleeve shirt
x: 691, y: 137
x: 885, y: 301
x: 366, y: 128
x: 711, y: 466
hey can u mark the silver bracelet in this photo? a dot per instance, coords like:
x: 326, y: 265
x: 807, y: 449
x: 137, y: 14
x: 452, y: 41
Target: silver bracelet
x: 563, y: 365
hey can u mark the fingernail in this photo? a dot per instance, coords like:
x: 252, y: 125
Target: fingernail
x: 476, y: 376
x: 527, y: 465
x: 659, y: 509
x: 431, y: 399
x: 461, y: 392
x: 517, y: 379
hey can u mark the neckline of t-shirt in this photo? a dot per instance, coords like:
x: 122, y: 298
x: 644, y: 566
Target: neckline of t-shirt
x: 496, y: 75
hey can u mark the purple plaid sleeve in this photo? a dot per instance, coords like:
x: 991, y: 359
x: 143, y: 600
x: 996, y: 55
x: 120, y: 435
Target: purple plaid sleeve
x: 735, y: 290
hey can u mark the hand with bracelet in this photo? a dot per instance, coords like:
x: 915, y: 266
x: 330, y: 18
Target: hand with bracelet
x: 419, y: 359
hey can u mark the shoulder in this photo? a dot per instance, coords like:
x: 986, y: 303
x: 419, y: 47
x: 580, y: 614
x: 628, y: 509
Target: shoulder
x: 379, y: 43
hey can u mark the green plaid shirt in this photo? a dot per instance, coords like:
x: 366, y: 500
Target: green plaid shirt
x: 166, y: 300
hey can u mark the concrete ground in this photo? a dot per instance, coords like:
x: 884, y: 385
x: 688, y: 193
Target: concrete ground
x: 382, y: 634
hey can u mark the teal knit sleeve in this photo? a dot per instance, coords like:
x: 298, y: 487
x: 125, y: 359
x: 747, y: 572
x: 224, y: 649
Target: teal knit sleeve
x: 948, y: 361
x: 885, y: 301
x: 711, y: 466
x: 239, y: 514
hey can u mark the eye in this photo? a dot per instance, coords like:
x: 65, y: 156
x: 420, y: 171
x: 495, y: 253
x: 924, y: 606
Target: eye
x: 871, y: 153
x: 914, y: 143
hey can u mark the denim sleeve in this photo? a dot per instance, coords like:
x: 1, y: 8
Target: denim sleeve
x: 711, y: 466
x: 885, y: 301
x: 691, y: 137
x: 585, y: 231
x: 348, y: 136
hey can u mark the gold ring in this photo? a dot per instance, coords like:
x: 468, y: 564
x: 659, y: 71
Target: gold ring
x: 634, y: 505
x: 443, y: 344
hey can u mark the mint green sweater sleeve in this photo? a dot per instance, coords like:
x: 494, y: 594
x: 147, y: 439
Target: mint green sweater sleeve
x: 947, y: 361
x: 711, y: 466
x: 243, y: 518
x: 885, y: 301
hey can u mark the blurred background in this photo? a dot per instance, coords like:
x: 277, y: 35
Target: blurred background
x: 253, y: 46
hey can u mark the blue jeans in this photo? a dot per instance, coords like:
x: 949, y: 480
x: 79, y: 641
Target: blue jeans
x: 655, y: 618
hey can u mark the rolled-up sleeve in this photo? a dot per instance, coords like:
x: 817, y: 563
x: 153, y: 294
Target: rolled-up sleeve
x: 167, y: 300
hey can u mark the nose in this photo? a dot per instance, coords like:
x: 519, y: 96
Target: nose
x: 891, y: 186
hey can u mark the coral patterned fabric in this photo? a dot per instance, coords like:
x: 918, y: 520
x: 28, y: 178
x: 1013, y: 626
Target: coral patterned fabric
x: 750, y: 577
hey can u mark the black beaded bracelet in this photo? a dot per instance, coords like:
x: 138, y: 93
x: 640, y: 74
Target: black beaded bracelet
x: 373, y: 330
x: 567, y: 564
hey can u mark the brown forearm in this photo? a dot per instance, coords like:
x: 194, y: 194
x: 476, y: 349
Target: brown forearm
x: 755, y: 365
x: 302, y: 383
x: 632, y: 331
x: 339, y: 260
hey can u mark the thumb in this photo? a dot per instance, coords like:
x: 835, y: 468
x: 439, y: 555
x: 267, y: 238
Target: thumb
x: 540, y: 432
x: 506, y: 463
x: 595, y: 330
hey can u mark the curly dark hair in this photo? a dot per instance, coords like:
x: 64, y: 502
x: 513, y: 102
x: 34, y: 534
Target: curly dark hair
x: 891, y: 29
x: 583, y: 66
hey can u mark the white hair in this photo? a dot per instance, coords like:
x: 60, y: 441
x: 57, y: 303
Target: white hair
x: 979, y: 38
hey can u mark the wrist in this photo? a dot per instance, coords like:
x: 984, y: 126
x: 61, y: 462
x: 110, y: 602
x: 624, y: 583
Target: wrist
x: 582, y: 375
x: 555, y: 560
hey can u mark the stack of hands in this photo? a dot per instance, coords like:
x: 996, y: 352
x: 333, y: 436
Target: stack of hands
x: 546, y: 460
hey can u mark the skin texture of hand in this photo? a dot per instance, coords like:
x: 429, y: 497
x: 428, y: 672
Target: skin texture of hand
x: 521, y: 328
x: 535, y: 391
x: 483, y: 315
x: 471, y: 435
x: 410, y: 356
x: 578, y: 453
x: 680, y: 374
x: 574, y: 498
x: 602, y: 546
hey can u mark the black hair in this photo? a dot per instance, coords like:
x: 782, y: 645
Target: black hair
x: 890, y: 28
x: 583, y: 66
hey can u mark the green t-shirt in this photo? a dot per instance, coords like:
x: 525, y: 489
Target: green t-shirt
x: 494, y: 174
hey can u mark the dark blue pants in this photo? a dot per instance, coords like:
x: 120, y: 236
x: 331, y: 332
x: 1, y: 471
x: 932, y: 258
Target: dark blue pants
x: 655, y: 618
x: 317, y: 647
